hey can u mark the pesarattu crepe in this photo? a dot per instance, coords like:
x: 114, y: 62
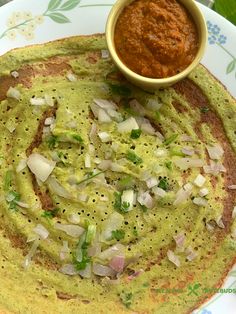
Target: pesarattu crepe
x: 113, y: 200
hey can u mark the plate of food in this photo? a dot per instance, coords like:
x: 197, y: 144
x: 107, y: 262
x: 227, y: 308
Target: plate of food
x: 113, y: 199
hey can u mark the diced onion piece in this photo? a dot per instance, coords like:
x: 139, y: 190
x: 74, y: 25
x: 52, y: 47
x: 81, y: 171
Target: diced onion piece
x: 199, y: 181
x: 128, y: 197
x: 105, y: 104
x: 179, y: 239
x: 74, y: 219
x: 145, y: 199
x: 234, y: 212
x: 108, y: 254
x: 220, y: 223
x: 135, y: 274
x: 91, y: 149
x: 203, y: 192
x: 21, y: 204
x: 41, y: 231
x: 49, y: 100
x: 188, y: 187
x: 105, y: 54
x: 49, y: 120
x: 115, y: 115
x: 31, y: 253
x: 147, y: 128
x: 115, y: 147
x: 186, y: 163
x: 151, y: 182
x: 87, y: 272
x: 116, y: 167
x: 105, y: 165
x: 93, y: 131
x: 158, y: 191
x: 173, y: 258
x: 103, y: 117
x: 214, y: 168
x: 232, y: 187
x: 160, y: 152
x: 183, y: 194
x: 71, y: 77
x: 102, y: 270
x: 137, y: 107
x: 97, y: 161
x: 153, y: 104
x: 95, y: 249
x: 191, y: 254
x: 127, y: 125
x: 186, y: 138
x: 37, y: 101
x: 72, y: 230
x: 22, y: 165
x: 113, y: 222
x: 104, y: 137
x: 13, y: 93
x: 40, y: 166
x: 57, y: 188
x: 10, y: 126
x: 64, y: 250
x: 188, y: 151
x: 87, y: 161
x: 215, y: 152
x: 117, y: 263
x: 68, y: 269
x: 15, y: 74
x: 83, y: 197
x: 209, y: 227
x: 159, y: 136
x: 200, y: 201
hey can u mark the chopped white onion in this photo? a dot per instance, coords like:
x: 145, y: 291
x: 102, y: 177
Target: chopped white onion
x: 13, y: 93
x: 186, y: 163
x: 135, y: 274
x: 200, y: 201
x: 153, y: 104
x: 209, y: 227
x: 234, y: 212
x: 68, y: 269
x: 87, y: 161
x: 83, y: 197
x: 108, y: 254
x: 105, y: 54
x: 15, y: 74
x: 115, y: 147
x: 87, y: 272
x: 117, y: 116
x: 49, y: 121
x: 158, y: 191
x: 188, y: 151
x: 72, y: 230
x: 220, y: 223
x: 151, y: 182
x: 37, y: 101
x: 137, y: 107
x: 104, y: 137
x: 97, y: 161
x: 74, y: 219
x: 173, y: 258
x: 203, y: 192
x: 145, y: 125
x: 199, y: 181
x: 180, y: 239
x: 105, y: 104
x: 102, y: 270
x: 22, y: 165
x: 71, y: 77
x: 191, y: 254
x: 186, y: 138
x: 215, y: 152
x: 93, y: 131
x: 183, y: 194
x: 145, y: 199
x: 161, y: 152
x: 10, y: 126
x: 57, y: 188
x: 113, y: 222
x: 49, y: 100
x: 40, y: 166
x: 214, y: 168
x: 117, y: 263
x: 21, y: 204
x: 31, y: 253
x: 232, y: 187
x: 41, y: 231
x: 127, y: 125
x: 105, y: 165
x: 64, y: 252
x: 128, y: 197
x: 116, y: 167
x: 103, y: 117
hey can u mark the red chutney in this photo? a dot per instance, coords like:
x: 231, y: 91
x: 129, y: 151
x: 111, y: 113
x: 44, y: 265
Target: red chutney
x: 156, y: 38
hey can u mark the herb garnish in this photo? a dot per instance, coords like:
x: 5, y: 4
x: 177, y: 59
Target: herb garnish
x: 133, y: 157
x: 12, y: 197
x: 7, y: 180
x: 52, y: 141
x: 126, y: 298
x: 204, y: 109
x: 122, y: 207
x: 163, y: 184
x: 170, y: 139
x: 118, y: 234
x: 77, y: 137
x: 90, y: 176
x: 121, y: 90
x: 168, y: 165
x: 50, y: 213
x: 135, y: 134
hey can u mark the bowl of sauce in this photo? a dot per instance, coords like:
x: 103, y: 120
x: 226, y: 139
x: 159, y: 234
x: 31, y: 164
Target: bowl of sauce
x: 156, y: 43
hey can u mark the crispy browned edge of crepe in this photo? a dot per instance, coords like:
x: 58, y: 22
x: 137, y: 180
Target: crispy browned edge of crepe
x: 186, y: 87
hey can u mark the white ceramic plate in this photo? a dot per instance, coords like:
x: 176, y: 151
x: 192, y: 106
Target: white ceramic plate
x: 26, y: 22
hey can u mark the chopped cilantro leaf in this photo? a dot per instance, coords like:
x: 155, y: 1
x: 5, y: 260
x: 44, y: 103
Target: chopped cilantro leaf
x: 144, y: 208
x: 78, y: 138
x: 124, y: 207
x: 135, y: 133
x: 134, y: 158
x: 204, y: 109
x: 176, y: 152
x: 158, y: 115
x: 163, y: 184
x: 7, y: 180
x: 168, y: 165
x: 118, y: 234
x: 126, y: 182
x: 50, y: 213
x: 52, y: 141
x: 82, y: 249
x: 121, y: 90
x: 135, y: 232
x: 170, y: 139
x: 118, y: 205
x: 12, y: 197
x: 126, y: 298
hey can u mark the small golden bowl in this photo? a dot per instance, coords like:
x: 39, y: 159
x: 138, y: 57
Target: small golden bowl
x: 146, y: 83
